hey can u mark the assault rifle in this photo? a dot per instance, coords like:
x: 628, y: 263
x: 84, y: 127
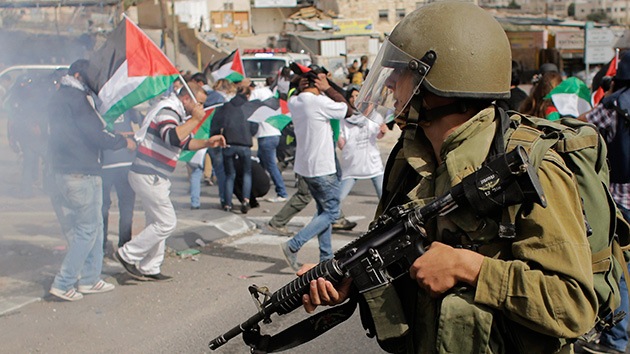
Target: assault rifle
x: 394, y: 242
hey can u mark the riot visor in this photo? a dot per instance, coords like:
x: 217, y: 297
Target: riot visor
x: 393, y: 80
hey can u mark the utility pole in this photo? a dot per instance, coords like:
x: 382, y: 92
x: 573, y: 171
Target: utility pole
x: 163, y: 24
x: 175, y: 34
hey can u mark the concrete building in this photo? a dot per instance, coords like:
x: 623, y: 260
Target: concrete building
x: 615, y: 10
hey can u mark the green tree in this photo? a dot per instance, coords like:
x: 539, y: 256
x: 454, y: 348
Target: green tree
x: 599, y: 16
x: 514, y: 5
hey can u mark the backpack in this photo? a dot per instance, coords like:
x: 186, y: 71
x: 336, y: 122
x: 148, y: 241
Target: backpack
x: 584, y: 152
x: 619, y: 146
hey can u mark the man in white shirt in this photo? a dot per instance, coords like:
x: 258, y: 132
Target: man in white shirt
x: 311, y: 113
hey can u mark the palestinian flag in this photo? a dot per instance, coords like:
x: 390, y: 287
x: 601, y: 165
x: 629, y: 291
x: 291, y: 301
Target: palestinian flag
x: 230, y: 68
x: 570, y: 99
x: 201, y: 131
x: 611, y: 71
x: 272, y: 110
x: 128, y: 70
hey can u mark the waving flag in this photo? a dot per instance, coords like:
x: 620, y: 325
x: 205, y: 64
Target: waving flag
x: 230, y: 68
x: 201, y: 131
x: 128, y: 70
x: 611, y: 71
x: 272, y: 110
x: 570, y: 99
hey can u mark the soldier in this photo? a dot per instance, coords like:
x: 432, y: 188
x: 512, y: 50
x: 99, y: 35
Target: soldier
x: 473, y: 290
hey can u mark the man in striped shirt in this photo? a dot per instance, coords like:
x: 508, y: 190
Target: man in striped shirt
x: 165, y: 133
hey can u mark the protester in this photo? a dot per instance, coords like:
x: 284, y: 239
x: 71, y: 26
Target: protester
x: 311, y: 111
x: 77, y: 137
x: 283, y: 82
x: 298, y: 201
x: 227, y: 89
x: 214, y: 97
x: 116, y: 166
x: 472, y: 290
x: 165, y: 133
x: 360, y: 156
x: 200, y: 165
x: 616, y: 131
x: 230, y: 121
x: 535, y: 103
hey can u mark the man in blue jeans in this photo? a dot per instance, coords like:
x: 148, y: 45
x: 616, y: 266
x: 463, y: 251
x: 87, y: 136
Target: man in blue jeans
x: 268, y: 140
x: 230, y: 121
x: 77, y: 137
x: 315, y: 160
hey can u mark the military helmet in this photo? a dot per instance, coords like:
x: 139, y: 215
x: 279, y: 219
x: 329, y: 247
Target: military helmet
x: 454, y: 49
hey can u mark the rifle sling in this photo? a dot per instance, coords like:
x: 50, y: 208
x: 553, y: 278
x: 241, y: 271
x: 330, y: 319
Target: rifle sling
x: 301, y: 332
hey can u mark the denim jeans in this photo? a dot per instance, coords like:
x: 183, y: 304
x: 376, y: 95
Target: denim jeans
x: 325, y: 191
x: 617, y: 336
x: 348, y: 183
x: 82, y: 201
x: 117, y: 178
x: 267, y: 154
x: 216, y: 157
x: 244, y: 154
x: 196, y: 173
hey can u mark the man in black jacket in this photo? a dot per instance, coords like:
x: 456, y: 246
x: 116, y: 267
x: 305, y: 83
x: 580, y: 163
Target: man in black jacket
x: 230, y: 121
x: 77, y: 136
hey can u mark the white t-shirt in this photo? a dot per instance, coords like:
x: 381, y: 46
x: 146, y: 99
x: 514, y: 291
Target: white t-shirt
x: 360, y: 156
x: 315, y: 150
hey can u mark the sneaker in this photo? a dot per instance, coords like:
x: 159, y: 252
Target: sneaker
x: 100, y: 287
x: 245, y: 207
x: 289, y: 256
x: 344, y: 225
x: 282, y: 231
x: 195, y: 207
x: 70, y: 295
x: 130, y: 268
x: 597, y: 348
x: 227, y: 208
x: 277, y: 199
x: 158, y: 277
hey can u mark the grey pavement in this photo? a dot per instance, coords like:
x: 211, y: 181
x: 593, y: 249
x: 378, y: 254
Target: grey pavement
x: 32, y: 246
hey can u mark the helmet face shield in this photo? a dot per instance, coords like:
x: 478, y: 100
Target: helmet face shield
x: 393, y: 80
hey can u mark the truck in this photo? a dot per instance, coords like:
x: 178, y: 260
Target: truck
x: 259, y: 64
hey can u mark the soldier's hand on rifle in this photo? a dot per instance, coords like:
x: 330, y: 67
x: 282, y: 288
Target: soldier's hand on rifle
x: 442, y: 266
x: 323, y: 292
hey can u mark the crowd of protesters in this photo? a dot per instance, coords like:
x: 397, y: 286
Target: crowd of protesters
x: 335, y: 146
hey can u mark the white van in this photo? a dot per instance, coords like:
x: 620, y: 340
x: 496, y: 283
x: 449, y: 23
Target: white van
x: 260, y: 64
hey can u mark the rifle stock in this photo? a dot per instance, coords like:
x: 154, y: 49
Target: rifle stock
x: 397, y: 238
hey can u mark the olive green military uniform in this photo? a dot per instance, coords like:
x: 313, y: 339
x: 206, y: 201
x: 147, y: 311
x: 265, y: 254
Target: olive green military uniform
x: 539, y: 282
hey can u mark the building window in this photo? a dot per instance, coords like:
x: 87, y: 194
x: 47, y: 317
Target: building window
x: 228, y: 6
x: 383, y: 15
x: 400, y: 13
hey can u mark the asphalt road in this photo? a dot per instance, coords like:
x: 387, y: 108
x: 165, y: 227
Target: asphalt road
x: 207, y: 296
